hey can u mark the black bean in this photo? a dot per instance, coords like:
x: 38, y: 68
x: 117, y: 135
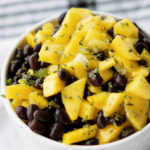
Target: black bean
x: 42, y: 116
x: 44, y: 64
x: 140, y: 46
x: 141, y: 36
x: 100, y: 55
x: 147, y: 42
x: 63, y: 74
x: 120, y: 80
x: 33, y: 62
x: 15, y: 65
x: 107, y: 119
x: 56, y: 29
x: 142, y: 62
x: 94, y: 78
x: 30, y: 110
x: 90, y: 122
x: 56, y: 131
x: 110, y: 32
x: 72, y: 79
x: 15, y: 78
x: 20, y: 71
x: 19, y: 54
x: 21, y: 112
x: 93, y: 141
x: 117, y: 120
x: 112, y: 89
x: 100, y: 120
x: 37, y: 126
x: 126, y: 132
x: 50, y: 109
x: 38, y: 84
x: 39, y: 28
x: 37, y: 48
x: 25, y: 65
x: 61, y: 17
x: 57, y: 99
x: 61, y: 116
x: 27, y: 50
x: 27, y: 59
x: 148, y: 77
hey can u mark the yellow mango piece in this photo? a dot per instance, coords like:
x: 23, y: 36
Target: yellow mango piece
x: 16, y: 103
x: 128, y: 65
x: 38, y: 99
x: 98, y: 24
x: 124, y: 47
x: 149, y: 113
x: 106, y: 75
x: 18, y: 91
x: 126, y: 28
x: 96, y: 45
x: 106, y: 64
x: 51, y: 52
x: 52, y: 85
x: 71, y: 50
x: 87, y: 110
x: 25, y: 104
x: 98, y: 100
x: 109, y: 22
x: 84, y: 25
x: 79, y: 135
x: 146, y: 56
x: 113, y: 104
x: 74, y: 15
x: 75, y: 68
x: 133, y: 40
x: 140, y: 70
x: 110, y: 132
x: 93, y: 34
x: 41, y: 36
x: 136, y: 109
x: 48, y: 27
x: 94, y: 89
x: 139, y: 86
x: 72, y: 96
x: 30, y: 38
x: 53, y: 68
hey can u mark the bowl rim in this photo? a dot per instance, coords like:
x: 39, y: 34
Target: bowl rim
x: 22, y: 125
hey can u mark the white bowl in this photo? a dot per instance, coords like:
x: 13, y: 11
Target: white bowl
x: 138, y: 141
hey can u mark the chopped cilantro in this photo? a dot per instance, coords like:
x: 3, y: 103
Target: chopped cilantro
x: 53, y: 103
x: 60, y: 52
x: 43, y: 72
x: 96, y: 70
x: 80, y: 27
x: 2, y: 95
x: 46, y: 48
x: 79, y: 98
x: 9, y: 81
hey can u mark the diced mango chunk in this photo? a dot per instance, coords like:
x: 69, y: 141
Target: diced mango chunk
x: 52, y: 85
x: 25, y: 104
x: 38, y: 99
x: 72, y: 96
x: 30, y: 38
x: 16, y: 103
x: 94, y: 89
x: 87, y: 110
x: 48, y: 27
x: 98, y: 100
x: 136, y: 109
x: 146, y: 56
x: 110, y: 132
x: 126, y: 28
x: 139, y: 86
x: 79, y: 135
x: 18, y: 91
x: 124, y: 47
x: 113, y: 104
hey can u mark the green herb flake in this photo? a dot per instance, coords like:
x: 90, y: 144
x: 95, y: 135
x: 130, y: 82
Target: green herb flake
x: 80, y: 27
x: 45, y: 35
x: 125, y: 96
x: 62, y: 35
x: 9, y: 81
x: 80, y: 43
x: 65, y: 96
x: 46, y: 48
x: 96, y: 70
x: 66, y: 25
x: 126, y: 24
x: 35, y: 40
x: 72, y: 68
x: 130, y: 104
x: 79, y: 98
x: 2, y: 95
x: 43, y: 72
x: 84, y: 119
x: 60, y: 52
x: 52, y: 103
x: 110, y: 84
x: 122, y: 24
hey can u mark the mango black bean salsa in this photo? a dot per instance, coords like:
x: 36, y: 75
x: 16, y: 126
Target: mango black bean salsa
x: 83, y: 79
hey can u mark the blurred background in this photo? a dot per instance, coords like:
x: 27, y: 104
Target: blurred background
x: 17, y: 16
